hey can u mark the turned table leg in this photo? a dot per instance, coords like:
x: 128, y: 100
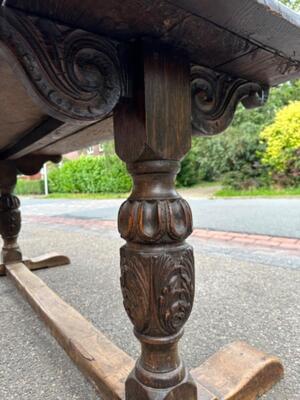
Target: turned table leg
x: 157, y: 266
x: 10, y: 216
x: 152, y: 134
x: 157, y: 280
x: 10, y: 225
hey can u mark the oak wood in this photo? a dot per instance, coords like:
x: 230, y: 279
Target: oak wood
x: 18, y: 113
x: 212, y: 32
x: 74, y: 76
x: 31, y: 164
x: 263, y: 66
x: 48, y: 260
x: 193, y: 34
x: 23, y: 146
x: 53, y: 137
x: 268, y: 23
x: 152, y: 133
x: 232, y: 37
x: 239, y: 371
x: 10, y: 216
x: 155, y: 123
x: 79, y: 139
x: 99, y: 359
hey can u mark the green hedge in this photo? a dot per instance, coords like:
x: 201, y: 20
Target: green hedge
x: 232, y: 157
x: 27, y: 187
x: 89, y: 174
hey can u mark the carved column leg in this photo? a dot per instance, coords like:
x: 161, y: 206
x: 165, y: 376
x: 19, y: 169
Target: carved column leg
x: 157, y: 280
x: 10, y: 216
x: 157, y: 266
x: 10, y: 225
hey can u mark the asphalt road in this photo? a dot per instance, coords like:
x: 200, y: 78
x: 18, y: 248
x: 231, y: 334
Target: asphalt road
x: 276, y: 217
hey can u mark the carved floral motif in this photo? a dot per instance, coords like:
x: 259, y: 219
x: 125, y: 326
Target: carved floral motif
x: 175, y: 288
x: 158, y: 290
x: 136, y: 290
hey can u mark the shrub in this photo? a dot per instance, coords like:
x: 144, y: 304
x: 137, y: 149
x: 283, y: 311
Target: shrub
x: 90, y: 174
x: 204, y: 162
x: 233, y: 155
x: 27, y: 187
x: 282, y: 139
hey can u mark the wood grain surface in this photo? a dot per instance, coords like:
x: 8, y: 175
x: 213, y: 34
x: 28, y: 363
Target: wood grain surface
x: 213, y: 33
x: 18, y: 113
x: 257, y: 40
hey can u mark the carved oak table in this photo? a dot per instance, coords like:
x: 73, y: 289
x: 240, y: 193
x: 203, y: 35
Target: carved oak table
x: 151, y: 74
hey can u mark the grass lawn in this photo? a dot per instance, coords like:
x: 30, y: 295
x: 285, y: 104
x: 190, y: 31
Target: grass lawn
x: 88, y: 196
x: 200, y: 190
x: 260, y: 192
x: 202, y: 187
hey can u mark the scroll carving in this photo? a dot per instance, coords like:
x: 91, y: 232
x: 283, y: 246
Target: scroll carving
x: 215, y: 97
x: 75, y: 75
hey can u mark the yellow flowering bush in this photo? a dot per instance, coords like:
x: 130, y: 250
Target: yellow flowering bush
x: 282, y: 139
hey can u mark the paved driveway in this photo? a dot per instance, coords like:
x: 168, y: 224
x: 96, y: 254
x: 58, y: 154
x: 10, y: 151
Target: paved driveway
x: 236, y: 299
x: 278, y: 217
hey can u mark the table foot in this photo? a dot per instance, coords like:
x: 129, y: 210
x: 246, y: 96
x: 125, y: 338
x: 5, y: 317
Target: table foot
x: 237, y: 372
x: 48, y: 260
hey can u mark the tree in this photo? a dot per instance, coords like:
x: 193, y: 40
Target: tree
x: 294, y: 4
x: 253, y: 121
x: 282, y: 139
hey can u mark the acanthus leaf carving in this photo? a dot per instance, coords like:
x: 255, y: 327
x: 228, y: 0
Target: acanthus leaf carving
x: 158, y: 290
x: 215, y: 97
x: 75, y: 75
x: 136, y: 290
x: 175, y: 291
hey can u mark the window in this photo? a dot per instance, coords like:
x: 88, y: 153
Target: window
x: 90, y: 150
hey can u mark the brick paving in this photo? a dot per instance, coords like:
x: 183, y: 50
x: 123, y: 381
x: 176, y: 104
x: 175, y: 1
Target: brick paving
x: 283, y: 243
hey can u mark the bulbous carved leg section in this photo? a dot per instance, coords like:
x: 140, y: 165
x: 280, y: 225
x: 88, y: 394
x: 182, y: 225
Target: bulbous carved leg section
x: 158, y: 289
x: 157, y: 280
x: 10, y: 226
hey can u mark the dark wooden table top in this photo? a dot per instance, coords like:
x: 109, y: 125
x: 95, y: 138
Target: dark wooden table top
x: 257, y: 40
x: 254, y: 39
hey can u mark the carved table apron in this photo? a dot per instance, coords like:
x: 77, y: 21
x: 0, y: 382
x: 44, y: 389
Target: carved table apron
x: 157, y: 97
